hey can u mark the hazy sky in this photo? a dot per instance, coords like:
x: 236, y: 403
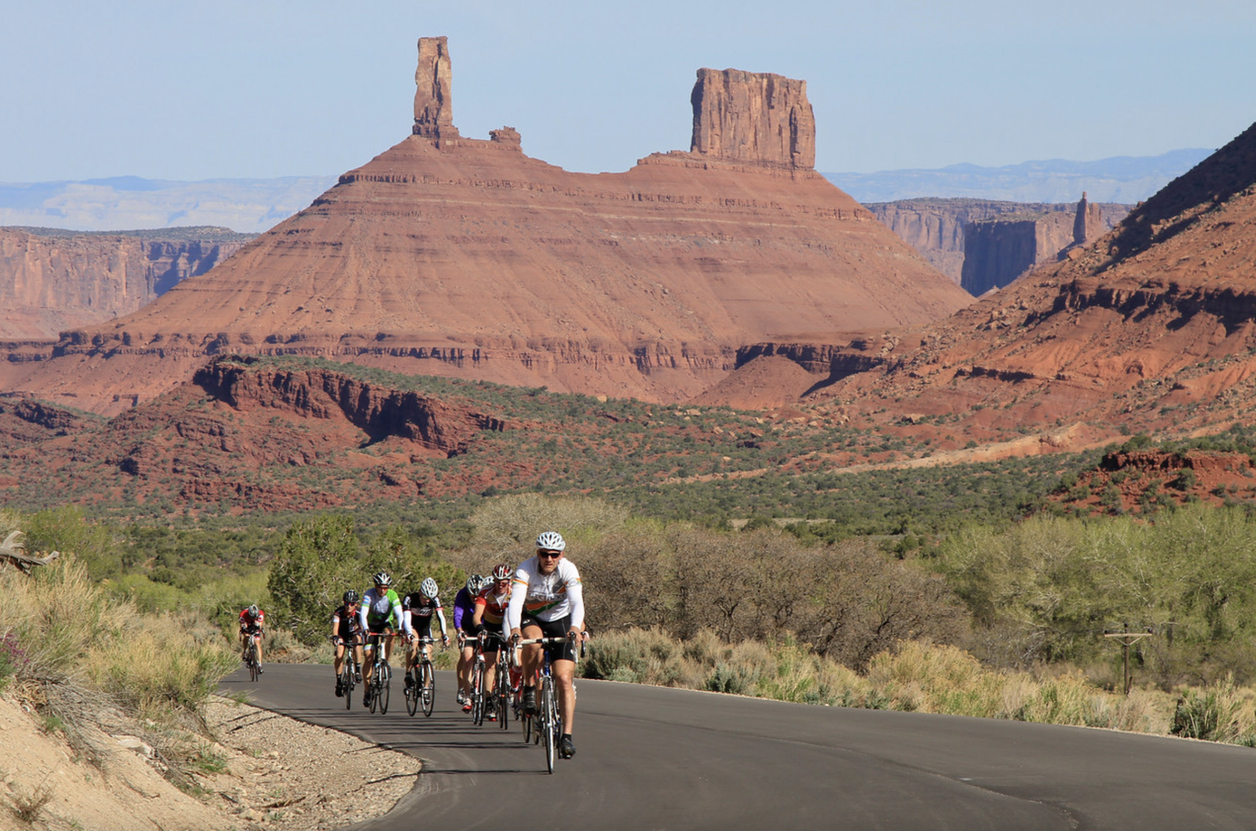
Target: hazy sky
x: 178, y: 89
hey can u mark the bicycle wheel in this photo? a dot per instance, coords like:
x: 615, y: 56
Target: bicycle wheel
x: 254, y: 673
x: 477, y: 694
x: 428, y: 690
x: 412, y: 690
x: 548, y: 716
x: 503, y: 696
x: 372, y: 692
x: 346, y: 683
x: 386, y: 674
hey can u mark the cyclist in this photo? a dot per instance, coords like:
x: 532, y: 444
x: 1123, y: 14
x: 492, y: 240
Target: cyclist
x: 417, y: 611
x: 547, y: 600
x: 346, y: 629
x: 489, y: 618
x: 379, y: 614
x: 464, y: 610
x: 252, y: 625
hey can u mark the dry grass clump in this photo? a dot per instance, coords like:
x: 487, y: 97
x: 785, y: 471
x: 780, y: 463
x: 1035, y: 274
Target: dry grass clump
x: 87, y: 661
x: 916, y: 676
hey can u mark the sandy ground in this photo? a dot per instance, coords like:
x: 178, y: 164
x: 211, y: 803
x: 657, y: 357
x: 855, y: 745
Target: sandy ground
x: 268, y: 772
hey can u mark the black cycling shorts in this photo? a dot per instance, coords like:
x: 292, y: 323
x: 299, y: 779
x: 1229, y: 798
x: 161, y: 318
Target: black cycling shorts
x: 552, y: 629
x: 421, y: 626
x: 493, y: 642
x: 381, y: 628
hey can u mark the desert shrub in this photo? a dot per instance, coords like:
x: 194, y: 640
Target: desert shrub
x: 159, y: 669
x: 504, y: 529
x: 639, y: 656
x: 937, y: 679
x: 847, y: 601
x: 319, y: 558
x: 67, y: 529
x: 1190, y: 577
x: 1219, y: 713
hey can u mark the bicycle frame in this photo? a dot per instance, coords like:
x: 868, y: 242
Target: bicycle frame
x: 549, y: 721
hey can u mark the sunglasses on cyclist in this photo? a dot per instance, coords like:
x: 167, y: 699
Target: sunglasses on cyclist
x: 549, y: 554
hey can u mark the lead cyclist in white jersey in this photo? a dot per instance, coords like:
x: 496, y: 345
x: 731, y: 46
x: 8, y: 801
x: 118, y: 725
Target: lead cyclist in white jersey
x: 547, y: 600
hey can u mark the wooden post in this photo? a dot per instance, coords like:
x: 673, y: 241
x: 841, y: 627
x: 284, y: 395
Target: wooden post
x: 1126, y: 638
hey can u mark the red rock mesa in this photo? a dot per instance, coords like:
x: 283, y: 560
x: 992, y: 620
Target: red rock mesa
x: 456, y: 256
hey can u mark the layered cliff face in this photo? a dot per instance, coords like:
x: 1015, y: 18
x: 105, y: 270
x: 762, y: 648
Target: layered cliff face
x: 998, y: 250
x: 51, y: 281
x: 759, y: 118
x: 1152, y: 328
x: 454, y: 256
x: 257, y: 437
x: 942, y: 230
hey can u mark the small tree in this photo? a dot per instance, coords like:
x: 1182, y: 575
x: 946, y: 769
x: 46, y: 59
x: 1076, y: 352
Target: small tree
x: 317, y: 561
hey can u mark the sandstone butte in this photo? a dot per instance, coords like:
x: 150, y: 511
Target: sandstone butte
x: 1152, y: 328
x: 463, y: 257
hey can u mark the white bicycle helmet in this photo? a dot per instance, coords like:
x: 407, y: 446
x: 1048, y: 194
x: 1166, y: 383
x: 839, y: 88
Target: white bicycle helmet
x: 502, y: 572
x: 474, y: 582
x: 551, y: 541
x: 383, y: 580
x: 428, y: 588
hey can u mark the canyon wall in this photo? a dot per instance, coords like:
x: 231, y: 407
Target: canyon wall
x: 51, y: 281
x: 938, y: 229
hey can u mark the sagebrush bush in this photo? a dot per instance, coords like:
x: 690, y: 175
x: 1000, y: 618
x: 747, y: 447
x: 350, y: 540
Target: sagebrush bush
x: 915, y: 676
x: 1219, y: 713
x: 67, y: 632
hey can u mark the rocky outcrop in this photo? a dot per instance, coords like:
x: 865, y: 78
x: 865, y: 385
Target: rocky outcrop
x: 51, y: 281
x: 457, y: 256
x: 381, y: 413
x: 1150, y: 329
x: 754, y: 118
x: 433, y: 100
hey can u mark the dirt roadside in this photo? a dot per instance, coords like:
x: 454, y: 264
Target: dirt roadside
x: 264, y: 771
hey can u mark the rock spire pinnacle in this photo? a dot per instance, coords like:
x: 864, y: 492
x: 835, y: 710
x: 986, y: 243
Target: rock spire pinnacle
x: 433, y: 100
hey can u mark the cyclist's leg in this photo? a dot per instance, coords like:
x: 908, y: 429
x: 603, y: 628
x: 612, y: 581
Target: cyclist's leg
x: 490, y: 666
x: 257, y: 639
x: 465, y: 660
x: 368, y: 659
x: 564, y: 684
x: 530, y: 658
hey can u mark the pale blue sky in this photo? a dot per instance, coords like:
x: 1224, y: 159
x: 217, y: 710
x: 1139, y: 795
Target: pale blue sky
x: 174, y: 89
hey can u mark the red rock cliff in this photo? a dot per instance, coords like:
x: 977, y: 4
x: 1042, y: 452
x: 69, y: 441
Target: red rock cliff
x: 753, y: 117
x: 455, y: 256
x: 51, y: 281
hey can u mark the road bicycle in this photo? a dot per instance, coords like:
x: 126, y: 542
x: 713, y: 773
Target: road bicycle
x: 421, y: 686
x: 503, y: 692
x: 377, y: 693
x: 349, y: 671
x: 477, y: 682
x: 250, y: 658
x: 546, y: 727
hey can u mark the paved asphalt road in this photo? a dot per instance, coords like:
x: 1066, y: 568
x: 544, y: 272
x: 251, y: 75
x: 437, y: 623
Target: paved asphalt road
x: 650, y: 758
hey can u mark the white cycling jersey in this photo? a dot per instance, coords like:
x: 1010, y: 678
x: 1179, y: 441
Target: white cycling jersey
x: 545, y: 597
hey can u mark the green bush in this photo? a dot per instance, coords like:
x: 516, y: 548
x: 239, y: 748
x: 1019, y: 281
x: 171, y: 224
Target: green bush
x: 1217, y: 713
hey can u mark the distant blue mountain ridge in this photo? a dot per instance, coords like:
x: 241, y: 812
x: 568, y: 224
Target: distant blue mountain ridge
x: 255, y: 205
x: 1122, y: 179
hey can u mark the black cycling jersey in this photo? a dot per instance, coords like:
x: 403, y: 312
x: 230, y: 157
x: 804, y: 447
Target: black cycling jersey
x: 349, y: 628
